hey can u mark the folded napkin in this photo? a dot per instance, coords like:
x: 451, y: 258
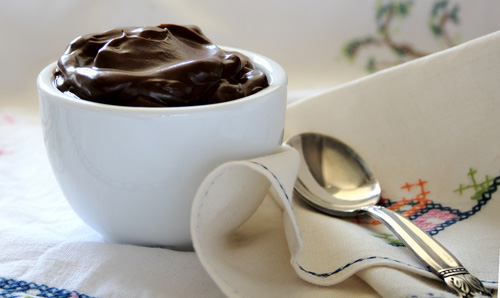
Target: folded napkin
x: 429, y: 129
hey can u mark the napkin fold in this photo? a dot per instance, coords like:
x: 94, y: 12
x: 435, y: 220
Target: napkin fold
x: 429, y: 129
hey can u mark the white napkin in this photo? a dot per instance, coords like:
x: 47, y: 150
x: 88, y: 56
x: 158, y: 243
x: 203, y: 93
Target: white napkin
x: 429, y: 129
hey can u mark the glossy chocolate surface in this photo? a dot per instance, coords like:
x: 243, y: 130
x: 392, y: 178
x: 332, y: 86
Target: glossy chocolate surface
x: 163, y: 66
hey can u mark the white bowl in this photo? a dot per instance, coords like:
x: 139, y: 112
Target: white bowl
x: 131, y: 173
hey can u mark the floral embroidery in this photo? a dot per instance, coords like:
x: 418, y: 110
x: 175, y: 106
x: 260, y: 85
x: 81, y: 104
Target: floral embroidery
x: 405, y: 207
x: 434, y: 217
x: 430, y: 216
x: 441, y: 14
x: 6, y: 118
x: 390, y: 239
x: 479, y: 188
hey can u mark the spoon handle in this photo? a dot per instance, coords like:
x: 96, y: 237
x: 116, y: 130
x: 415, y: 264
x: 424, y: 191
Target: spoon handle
x: 435, y: 256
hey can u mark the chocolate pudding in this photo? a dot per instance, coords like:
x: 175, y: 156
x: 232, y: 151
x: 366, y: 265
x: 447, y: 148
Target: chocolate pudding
x: 163, y: 66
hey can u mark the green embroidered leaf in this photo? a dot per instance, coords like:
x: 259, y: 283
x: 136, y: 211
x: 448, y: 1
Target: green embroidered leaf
x: 404, y: 8
x: 400, y: 52
x: 370, y: 66
x: 383, y: 10
x: 389, y: 239
x: 438, y: 6
x: 454, y: 14
x: 352, y: 47
x: 436, y: 30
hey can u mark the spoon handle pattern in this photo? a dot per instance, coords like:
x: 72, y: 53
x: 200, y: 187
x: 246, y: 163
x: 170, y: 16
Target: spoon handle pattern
x: 465, y: 284
x: 430, y: 252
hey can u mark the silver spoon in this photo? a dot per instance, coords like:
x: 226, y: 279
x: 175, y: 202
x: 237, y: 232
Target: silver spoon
x: 335, y: 180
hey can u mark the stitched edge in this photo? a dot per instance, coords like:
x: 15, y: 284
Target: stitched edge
x: 324, y: 275
x: 277, y: 180
x: 290, y: 205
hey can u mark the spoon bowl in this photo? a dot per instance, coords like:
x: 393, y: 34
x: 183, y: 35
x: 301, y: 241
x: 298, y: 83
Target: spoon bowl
x: 334, y: 179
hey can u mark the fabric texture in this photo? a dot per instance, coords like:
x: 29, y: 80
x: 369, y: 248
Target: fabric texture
x: 429, y: 131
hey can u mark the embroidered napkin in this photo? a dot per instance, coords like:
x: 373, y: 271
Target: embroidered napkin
x: 429, y: 129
